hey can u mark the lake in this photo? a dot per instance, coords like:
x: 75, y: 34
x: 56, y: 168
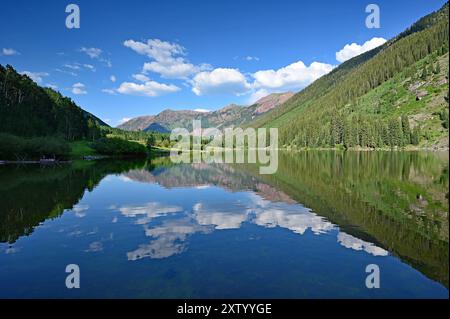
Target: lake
x: 155, y: 229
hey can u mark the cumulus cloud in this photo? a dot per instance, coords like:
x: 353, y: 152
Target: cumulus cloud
x: 177, y: 69
x: 349, y: 241
x: 230, y: 217
x: 221, y: 80
x: 112, y: 78
x: 168, y: 58
x: 149, y: 88
x: 351, y: 50
x: 80, y: 210
x: 141, y: 77
x: 295, y: 76
x: 9, y: 52
x: 79, y: 89
x: 35, y: 76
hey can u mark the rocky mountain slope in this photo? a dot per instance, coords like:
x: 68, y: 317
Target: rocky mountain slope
x: 230, y: 115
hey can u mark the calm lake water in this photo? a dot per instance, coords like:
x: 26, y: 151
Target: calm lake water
x: 153, y: 229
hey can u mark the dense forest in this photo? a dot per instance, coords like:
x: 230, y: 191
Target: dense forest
x: 28, y: 110
x: 39, y: 122
x: 393, y: 96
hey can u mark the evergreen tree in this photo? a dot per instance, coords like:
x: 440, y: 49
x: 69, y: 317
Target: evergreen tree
x: 406, y: 130
x: 150, y: 141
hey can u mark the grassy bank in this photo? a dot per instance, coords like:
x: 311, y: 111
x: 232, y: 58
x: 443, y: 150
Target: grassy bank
x: 17, y: 148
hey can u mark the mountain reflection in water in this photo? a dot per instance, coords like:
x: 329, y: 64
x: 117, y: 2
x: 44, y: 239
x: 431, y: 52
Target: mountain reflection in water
x: 387, y: 205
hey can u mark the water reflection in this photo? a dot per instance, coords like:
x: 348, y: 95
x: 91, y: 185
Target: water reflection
x: 373, y: 204
x: 169, y: 237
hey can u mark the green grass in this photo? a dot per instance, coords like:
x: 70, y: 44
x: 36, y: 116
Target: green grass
x: 78, y: 149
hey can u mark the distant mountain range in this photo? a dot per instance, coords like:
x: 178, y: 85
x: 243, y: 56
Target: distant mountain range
x: 230, y: 115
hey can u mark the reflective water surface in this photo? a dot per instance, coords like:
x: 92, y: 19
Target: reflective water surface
x: 154, y: 229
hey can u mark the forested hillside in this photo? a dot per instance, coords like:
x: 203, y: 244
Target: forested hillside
x: 394, y: 95
x: 29, y: 110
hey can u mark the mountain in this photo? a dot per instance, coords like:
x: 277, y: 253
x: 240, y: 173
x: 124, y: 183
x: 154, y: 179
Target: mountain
x: 156, y: 127
x: 28, y: 110
x: 230, y: 115
x: 271, y: 101
x: 139, y: 123
x: 393, y: 95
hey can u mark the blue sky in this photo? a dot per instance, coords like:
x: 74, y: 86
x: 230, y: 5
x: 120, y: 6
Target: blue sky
x: 132, y: 58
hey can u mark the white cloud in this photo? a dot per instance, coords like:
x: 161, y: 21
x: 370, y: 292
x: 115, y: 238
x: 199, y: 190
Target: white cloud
x: 145, y: 213
x: 156, y: 49
x: 168, y: 58
x: 35, y: 76
x: 9, y: 52
x: 96, y: 246
x: 349, y: 241
x: 79, y: 89
x: 125, y: 119
x: 66, y: 72
x: 230, y: 217
x: 295, y: 76
x: 109, y: 91
x: 173, y: 70
x: 257, y: 95
x: 251, y: 58
x: 141, y: 77
x: 149, y: 88
x: 112, y: 78
x: 351, y: 50
x: 72, y: 66
x: 77, y: 66
x: 90, y: 67
x: 202, y: 110
x: 93, y: 53
x: 80, y: 210
x: 221, y: 80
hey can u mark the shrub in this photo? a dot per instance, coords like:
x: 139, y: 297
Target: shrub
x: 117, y: 146
x: 16, y: 148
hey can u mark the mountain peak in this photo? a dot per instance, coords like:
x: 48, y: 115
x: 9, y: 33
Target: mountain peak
x: 229, y: 115
x: 271, y: 101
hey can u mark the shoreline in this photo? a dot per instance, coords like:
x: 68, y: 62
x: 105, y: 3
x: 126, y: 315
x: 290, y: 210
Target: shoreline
x: 287, y: 149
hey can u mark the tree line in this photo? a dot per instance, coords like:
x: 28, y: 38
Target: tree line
x: 28, y: 110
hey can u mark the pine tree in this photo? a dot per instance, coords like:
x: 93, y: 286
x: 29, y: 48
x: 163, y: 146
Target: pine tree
x: 150, y: 141
x: 415, y: 136
x: 406, y: 130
